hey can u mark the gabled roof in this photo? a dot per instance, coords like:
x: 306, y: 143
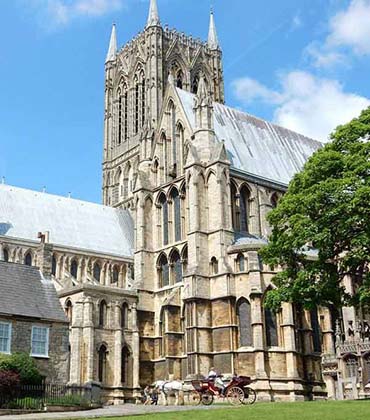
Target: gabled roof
x: 255, y: 146
x: 71, y: 223
x: 25, y: 292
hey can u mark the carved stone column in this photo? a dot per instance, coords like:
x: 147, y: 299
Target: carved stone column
x: 88, y: 334
x: 289, y: 340
x: 117, y: 344
x: 135, y: 348
x: 76, y: 343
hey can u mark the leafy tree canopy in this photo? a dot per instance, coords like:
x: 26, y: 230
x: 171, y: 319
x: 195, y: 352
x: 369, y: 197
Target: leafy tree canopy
x: 23, y: 365
x: 321, y: 227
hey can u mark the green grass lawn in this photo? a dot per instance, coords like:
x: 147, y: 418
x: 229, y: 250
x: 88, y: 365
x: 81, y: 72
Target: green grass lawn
x: 341, y: 410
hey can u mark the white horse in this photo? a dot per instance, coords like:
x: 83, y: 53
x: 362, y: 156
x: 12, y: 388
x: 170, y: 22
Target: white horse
x: 168, y: 388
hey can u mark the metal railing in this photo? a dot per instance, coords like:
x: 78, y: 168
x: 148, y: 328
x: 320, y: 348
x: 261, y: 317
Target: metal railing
x: 37, y: 397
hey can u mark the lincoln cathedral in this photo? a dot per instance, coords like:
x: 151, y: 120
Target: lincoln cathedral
x: 164, y: 279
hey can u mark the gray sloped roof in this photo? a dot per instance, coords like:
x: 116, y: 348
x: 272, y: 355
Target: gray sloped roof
x: 71, y: 223
x: 25, y: 292
x: 255, y: 146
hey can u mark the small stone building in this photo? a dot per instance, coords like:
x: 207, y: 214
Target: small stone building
x: 32, y: 320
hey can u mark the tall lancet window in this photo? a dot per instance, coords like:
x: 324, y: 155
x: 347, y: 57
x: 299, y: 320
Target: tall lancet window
x: 176, y: 214
x: 164, y: 208
x: 194, y: 85
x: 179, y: 79
x: 143, y: 102
x: 124, y: 113
x: 172, y: 116
x: 120, y: 104
x: 244, y: 209
x: 271, y: 328
x: 136, y: 100
x: 243, y: 312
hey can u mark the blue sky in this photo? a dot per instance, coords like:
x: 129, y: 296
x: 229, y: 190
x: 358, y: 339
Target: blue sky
x: 301, y: 63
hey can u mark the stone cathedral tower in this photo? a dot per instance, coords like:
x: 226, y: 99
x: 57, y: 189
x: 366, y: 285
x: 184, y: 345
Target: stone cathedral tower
x: 199, y: 179
x: 136, y: 78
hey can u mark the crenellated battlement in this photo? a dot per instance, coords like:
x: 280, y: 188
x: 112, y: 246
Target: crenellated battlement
x: 186, y: 40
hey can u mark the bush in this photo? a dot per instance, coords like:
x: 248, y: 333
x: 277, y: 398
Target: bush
x: 9, y: 381
x: 67, y: 400
x: 26, y: 403
x: 24, y: 365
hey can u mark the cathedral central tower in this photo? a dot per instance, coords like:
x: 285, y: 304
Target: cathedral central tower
x: 136, y: 78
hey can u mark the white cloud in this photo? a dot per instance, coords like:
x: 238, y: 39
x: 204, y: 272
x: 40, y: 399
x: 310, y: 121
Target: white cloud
x: 307, y: 104
x: 324, y: 57
x: 351, y: 27
x: 348, y: 29
x: 249, y: 90
x: 62, y: 12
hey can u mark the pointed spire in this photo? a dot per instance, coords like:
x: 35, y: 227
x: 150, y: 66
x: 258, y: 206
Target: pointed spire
x: 153, y: 17
x: 112, y: 50
x: 212, y: 34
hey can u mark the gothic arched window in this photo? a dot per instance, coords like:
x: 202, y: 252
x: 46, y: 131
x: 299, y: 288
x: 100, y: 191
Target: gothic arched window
x: 234, y: 208
x: 271, y: 328
x: 68, y: 310
x: 6, y: 255
x: 120, y: 112
x: 97, y: 272
x: 164, y: 207
x: 124, y: 315
x: 127, y: 180
x: 351, y: 363
x: 172, y: 115
x: 155, y: 172
x: 74, y: 269
x: 115, y: 274
x: 274, y: 200
x: 102, y: 363
x: 214, y: 265
x: 176, y: 268
x: 163, y: 271
x: 244, y: 209
x: 102, y: 313
x: 28, y: 259
x: 194, y: 84
x: 53, y: 266
x: 179, y: 79
x: 243, y: 312
x: 316, y: 338
x: 143, y: 103
x: 240, y: 262
x: 184, y: 256
x: 176, y: 201
x: 124, y: 365
x: 136, y: 101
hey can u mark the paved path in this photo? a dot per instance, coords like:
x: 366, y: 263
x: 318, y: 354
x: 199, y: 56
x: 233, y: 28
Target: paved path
x: 111, y: 411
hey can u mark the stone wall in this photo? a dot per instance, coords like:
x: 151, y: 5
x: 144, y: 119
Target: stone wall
x: 55, y: 367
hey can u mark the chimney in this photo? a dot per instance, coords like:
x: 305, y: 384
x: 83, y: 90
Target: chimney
x: 45, y: 254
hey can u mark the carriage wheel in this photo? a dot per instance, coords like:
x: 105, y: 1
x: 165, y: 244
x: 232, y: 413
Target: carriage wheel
x: 235, y: 395
x: 207, y: 398
x: 194, y: 398
x: 250, y: 396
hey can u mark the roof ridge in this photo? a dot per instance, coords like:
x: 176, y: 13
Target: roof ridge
x: 252, y: 116
x: 41, y: 193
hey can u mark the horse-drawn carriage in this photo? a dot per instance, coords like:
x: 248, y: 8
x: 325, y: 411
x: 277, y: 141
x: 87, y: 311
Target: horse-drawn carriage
x: 236, y: 391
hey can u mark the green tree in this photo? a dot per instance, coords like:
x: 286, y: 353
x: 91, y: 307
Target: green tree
x: 321, y: 227
x: 23, y: 365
